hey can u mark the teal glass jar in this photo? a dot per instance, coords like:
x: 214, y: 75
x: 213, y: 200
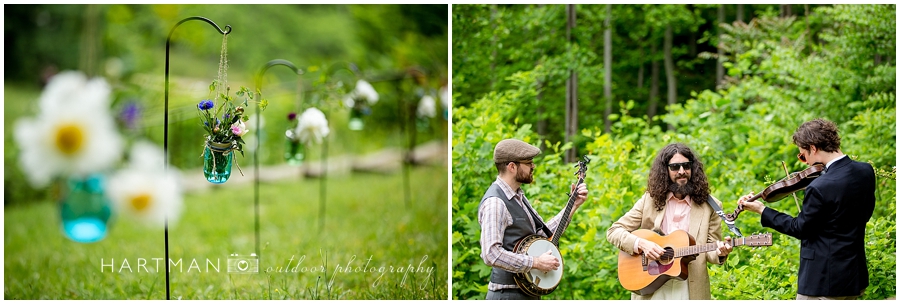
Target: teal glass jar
x: 85, y: 209
x: 293, y: 149
x: 356, y: 121
x: 217, y: 158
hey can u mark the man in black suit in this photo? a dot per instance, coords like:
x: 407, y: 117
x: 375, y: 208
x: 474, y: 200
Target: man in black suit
x: 831, y: 225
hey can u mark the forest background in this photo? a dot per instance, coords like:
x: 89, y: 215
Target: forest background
x: 618, y: 82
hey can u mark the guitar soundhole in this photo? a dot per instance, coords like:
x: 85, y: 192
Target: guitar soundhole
x: 667, y: 257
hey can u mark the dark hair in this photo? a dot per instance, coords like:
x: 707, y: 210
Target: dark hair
x: 658, y: 182
x: 501, y: 167
x: 820, y: 133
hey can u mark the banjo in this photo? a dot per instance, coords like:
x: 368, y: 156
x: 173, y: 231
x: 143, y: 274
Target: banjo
x: 536, y: 282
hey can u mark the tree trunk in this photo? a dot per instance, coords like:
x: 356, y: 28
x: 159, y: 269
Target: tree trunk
x: 607, y: 66
x: 740, y: 13
x: 670, y: 69
x: 493, y: 49
x: 692, y: 36
x: 571, y: 89
x: 785, y: 10
x: 720, y: 70
x: 640, y: 76
x: 542, y: 121
x: 654, y: 81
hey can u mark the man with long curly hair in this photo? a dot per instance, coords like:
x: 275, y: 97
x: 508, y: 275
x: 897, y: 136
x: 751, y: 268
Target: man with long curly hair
x: 676, y: 199
x: 831, y: 225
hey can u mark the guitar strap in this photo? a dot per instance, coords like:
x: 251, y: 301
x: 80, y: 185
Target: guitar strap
x: 537, y: 221
x: 721, y: 214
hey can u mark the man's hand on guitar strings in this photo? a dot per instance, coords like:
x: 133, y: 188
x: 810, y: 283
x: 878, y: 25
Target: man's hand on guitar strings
x: 652, y: 250
x: 546, y: 262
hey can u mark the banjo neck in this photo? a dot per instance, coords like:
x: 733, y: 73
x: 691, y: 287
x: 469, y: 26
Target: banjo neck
x: 566, y: 216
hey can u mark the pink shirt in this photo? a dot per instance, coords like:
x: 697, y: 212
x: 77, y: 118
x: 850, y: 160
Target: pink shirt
x: 678, y: 214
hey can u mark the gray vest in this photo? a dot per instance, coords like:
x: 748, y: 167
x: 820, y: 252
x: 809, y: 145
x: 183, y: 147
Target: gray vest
x: 520, y: 228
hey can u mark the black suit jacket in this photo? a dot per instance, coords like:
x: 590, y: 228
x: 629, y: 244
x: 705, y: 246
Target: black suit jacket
x: 831, y: 228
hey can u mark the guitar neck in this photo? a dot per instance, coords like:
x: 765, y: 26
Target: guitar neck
x: 697, y: 249
x: 564, y: 222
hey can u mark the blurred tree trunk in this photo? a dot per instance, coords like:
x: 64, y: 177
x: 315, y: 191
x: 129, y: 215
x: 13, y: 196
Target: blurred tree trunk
x: 571, y: 89
x: 654, y: 81
x: 493, y: 49
x: 785, y: 10
x: 720, y: 70
x: 692, y: 36
x: 740, y: 13
x: 607, y: 66
x: 670, y: 68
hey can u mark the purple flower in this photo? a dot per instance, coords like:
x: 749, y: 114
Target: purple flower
x: 292, y: 116
x: 130, y: 115
x: 205, y: 104
x: 227, y: 116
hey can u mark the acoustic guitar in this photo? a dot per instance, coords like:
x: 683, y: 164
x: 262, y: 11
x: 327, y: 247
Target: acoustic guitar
x: 643, y: 276
x: 536, y: 282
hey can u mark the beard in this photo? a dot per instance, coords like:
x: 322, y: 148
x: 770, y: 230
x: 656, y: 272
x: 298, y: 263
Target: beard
x: 681, y: 190
x: 525, y: 178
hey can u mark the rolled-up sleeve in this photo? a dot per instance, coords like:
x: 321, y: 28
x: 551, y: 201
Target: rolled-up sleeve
x: 494, y: 218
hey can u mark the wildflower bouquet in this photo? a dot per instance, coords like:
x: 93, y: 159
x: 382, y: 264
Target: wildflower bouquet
x: 225, y: 125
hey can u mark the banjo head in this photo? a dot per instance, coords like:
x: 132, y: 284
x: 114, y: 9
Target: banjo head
x: 549, y: 279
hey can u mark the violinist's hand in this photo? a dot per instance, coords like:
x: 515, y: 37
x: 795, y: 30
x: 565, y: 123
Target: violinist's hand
x: 753, y: 206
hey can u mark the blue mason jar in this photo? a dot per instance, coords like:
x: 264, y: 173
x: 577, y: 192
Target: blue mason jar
x: 85, y: 209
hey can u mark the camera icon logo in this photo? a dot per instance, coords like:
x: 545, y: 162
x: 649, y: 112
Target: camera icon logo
x: 243, y: 264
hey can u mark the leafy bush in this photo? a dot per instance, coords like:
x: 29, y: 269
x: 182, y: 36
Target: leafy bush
x: 742, y: 133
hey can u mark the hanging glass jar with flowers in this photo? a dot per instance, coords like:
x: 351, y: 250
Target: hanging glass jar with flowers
x: 225, y: 127
x: 293, y: 148
x: 72, y: 140
x: 359, y: 100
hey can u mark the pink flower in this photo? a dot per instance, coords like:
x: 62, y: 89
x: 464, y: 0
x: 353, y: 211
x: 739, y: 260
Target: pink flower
x: 239, y: 128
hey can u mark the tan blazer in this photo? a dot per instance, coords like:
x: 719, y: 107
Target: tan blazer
x: 705, y: 227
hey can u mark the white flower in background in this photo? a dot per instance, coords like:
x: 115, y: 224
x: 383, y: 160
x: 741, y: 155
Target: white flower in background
x: 363, y: 92
x: 426, y: 107
x: 143, y: 190
x: 445, y: 97
x: 74, y: 133
x: 312, y: 126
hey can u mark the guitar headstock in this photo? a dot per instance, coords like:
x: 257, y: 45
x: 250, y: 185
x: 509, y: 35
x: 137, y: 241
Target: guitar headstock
x: 582, y: 166
x: 758, y: 240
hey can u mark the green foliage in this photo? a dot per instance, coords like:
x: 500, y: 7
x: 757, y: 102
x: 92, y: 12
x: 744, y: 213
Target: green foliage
x: 779, y: 78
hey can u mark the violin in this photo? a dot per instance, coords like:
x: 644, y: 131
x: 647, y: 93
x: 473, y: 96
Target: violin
x: 794, y: 182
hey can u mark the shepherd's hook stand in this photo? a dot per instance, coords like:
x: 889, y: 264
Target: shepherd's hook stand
x: 166, y: 124
x: 259, y: 139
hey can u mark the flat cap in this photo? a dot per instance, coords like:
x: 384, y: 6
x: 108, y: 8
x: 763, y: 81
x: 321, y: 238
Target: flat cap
x: 511, y: 150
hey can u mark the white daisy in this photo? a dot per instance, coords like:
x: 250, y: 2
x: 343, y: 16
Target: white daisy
x: 144, y: 191
x: 312, y: 126
x: 426, y: 107
x: 74, y: 133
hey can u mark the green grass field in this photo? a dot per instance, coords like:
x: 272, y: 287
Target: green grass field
x: 372, y: 245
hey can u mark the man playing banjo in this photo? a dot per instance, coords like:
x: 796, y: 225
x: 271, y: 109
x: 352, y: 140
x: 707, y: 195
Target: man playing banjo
x: 506, y: 216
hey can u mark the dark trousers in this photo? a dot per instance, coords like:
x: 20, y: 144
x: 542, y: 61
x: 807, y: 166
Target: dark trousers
x: 509, y: 294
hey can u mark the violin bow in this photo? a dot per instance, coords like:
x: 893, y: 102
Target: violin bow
x: 788, y: 175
